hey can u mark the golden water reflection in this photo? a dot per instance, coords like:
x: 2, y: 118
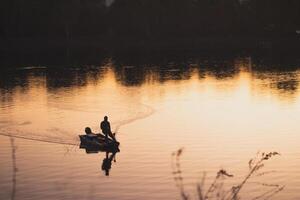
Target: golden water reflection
x: 221, y: 112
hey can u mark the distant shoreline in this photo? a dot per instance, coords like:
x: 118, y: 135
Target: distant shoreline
x: 91, y: 49
x: 213, y: 42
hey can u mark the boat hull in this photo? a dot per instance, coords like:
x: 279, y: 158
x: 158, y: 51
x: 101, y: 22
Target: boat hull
x: 98, y: 143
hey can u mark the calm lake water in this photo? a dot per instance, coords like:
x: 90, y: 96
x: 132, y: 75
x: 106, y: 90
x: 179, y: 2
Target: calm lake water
x: 222, y: 111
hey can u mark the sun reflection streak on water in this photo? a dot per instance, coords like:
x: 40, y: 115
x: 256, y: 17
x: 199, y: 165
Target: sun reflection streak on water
x: 221, y: 115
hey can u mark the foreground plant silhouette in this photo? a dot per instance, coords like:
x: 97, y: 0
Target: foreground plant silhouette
x: 216, y: 190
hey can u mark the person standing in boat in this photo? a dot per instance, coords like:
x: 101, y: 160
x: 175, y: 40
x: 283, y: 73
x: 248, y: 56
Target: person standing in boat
x: 105, y: 127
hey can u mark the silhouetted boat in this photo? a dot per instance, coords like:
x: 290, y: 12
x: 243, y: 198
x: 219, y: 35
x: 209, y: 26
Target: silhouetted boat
x: 97, y: 143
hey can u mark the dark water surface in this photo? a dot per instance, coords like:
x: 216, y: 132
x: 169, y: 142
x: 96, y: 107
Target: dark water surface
x: 222, y: 111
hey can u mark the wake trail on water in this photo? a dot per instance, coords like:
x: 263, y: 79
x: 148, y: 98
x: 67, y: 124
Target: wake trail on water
x: 63, y: 137
x: 60, y: 138
x: 148, y: 111
x: 39, y: 140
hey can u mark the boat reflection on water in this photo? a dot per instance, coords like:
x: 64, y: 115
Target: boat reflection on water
x: 106, y: 164
x: 110, y: 155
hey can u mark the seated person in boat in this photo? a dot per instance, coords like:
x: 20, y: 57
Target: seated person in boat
x: 97, y: 138
x: 105, y: 127
x: 89, y: 132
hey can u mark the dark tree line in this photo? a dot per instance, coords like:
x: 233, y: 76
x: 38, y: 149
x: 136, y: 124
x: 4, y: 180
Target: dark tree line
x: 63, y: 18
x: 148, y: 19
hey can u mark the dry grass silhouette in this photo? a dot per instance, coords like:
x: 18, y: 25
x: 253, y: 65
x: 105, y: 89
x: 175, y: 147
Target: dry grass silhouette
x: 217, y: 191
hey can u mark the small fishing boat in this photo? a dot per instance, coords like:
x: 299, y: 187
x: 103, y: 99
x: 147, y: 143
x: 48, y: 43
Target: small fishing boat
x: 96, y: 142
